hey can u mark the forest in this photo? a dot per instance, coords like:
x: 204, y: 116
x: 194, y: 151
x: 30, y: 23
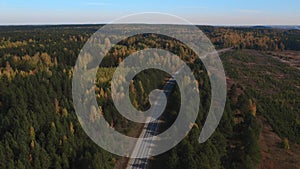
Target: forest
x: 39, y: 127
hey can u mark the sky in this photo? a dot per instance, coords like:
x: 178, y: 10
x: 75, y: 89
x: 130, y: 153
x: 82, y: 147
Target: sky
x: 202, y: 12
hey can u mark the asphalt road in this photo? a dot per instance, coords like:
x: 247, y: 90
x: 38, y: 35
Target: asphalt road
x: 142, y: 148
x: 150, y: 129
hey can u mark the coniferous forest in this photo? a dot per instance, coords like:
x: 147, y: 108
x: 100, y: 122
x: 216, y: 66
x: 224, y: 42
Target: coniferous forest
x: 39, y: 128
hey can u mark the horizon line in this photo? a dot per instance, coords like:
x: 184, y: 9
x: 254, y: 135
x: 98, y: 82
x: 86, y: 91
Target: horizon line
x: 196, y: 24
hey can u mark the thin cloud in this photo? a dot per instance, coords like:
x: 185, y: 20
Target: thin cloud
x: 97, y: 3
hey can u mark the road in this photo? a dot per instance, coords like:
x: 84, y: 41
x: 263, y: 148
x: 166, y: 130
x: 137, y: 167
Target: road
x: 220, y: 51
x: 150, y: 129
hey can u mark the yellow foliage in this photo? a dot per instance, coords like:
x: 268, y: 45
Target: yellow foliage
x: 64, y: 112
x: 65, y: 138
x: 32, y: 133
x: 32, y: 144
x: 53, y: 125
x: 46, y: 59
x: 30, y: 158
x: 196, y: 125
x: 9, y: 44
x: 71, y: 127
x: 286, y: 144
x: 56, y: 103
x: 252, y: 107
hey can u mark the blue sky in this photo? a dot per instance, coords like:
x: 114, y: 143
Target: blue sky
x: 212, y: 12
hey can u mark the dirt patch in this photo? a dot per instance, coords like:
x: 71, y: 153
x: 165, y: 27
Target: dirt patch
x: 291, y: 58
x: 273, y: 155
x: 123, y: 161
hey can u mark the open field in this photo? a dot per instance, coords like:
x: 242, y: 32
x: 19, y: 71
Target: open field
x: 274, y: 85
